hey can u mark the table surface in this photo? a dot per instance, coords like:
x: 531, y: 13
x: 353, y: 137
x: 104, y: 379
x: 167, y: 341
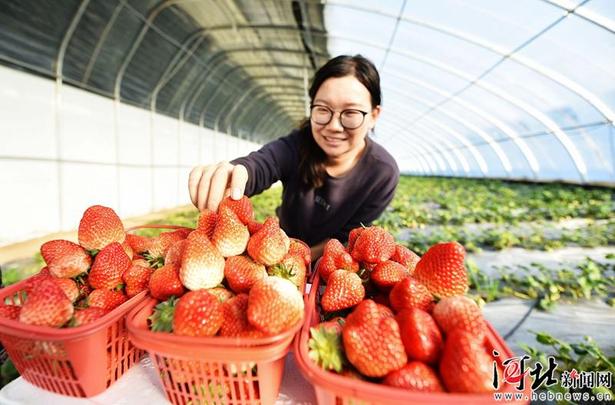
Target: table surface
x: 141, y: 385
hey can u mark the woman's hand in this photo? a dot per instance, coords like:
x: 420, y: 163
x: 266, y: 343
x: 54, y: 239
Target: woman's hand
x: 208, y: 185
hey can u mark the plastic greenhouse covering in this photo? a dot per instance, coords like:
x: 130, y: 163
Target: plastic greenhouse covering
x: 471, y: 88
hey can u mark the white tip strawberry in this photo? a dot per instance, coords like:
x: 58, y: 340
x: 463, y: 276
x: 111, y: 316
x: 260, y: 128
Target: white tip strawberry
x: 202, y: 266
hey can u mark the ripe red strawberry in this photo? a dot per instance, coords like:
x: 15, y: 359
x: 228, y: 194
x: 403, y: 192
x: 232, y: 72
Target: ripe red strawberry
x: 459, y: 312
x: 207, y: 222
x: 387, y: 274
x: 254, y: 226
x: 300, y: 249
x: 241, y: 272
x: 352, y: 237
x: 136, y: 279
x: 109, y: 265
x: 414, y: 376
x: 202, y: 266
x: 326, y: 345
x: 373, y: 245
x: 46, y: 305
x: 335, y: 257
x: 274, y: 305
x: 161, y: 244
x: 174, y: 254
x: 69, y: 287
x: 65, y: 259
x: 139, y: 244
x: 420, y: 335
x: 405, y: 257
x: 409, y: 293
x: 197, y: 313
x: 291, y: 268
x: 236, y: 318
x: 99, y: 227
x: 442, y: 271
x: 87, y: 315
x: 164, y: 283
x: 106, y: 299
x: 466, y: 366
x: 372, y: 341
x: 344, y: 290
x: 270, y: 244
x: 242, y: 208
x: 222, y: 293
x: 8, y: 311
x: 230, y: 235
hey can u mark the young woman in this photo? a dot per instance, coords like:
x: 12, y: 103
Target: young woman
x: 334, y: 176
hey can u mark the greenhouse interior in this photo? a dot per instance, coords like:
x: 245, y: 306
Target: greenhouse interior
x: 170, y: 167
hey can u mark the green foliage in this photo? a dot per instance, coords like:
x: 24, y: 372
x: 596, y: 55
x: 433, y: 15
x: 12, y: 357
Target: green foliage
x: 581, y: 356
x: 589, y: 279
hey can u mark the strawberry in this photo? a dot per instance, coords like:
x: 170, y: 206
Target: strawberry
x: 129, y: 252
x: 291, y: 268
x: 99, y: 227
x: 139, y: 244
x: 344, y: 290
x: 465, y: 365
x: 387, y: 274
x: 174, y: 254
x: 236, y: 318
x: 414, y: 376
x: 202, y: 266
x: 207, y: 222
x: 405, y: 257
x: 254, y: 226
x: 110, y: 263
x: 300, y: 249
x: 87, y: 315
x: 372, y: 341
x: 161, y: 244
x: 136, y: 279
x: 69, y: 287
x: 222, y: 293
x: 373, y: 245
x: 46, y: 305
x: 459, y: 312
x: 409, y: 293
x: 197, y: 313
x: 270, y: 244
x: 65, y: 259
x: 161, y: 319
x: 242, y: 208
x: 165, y: 282
x: 325, y: 345
x: 420, y: 335
x: 352, y: 237
x: 241, y: 272
x: 274, y: 305
x: 106, y: 299
x: 335, y: 257
x: 230, y: 235
x: 8, y: 311
x: 441, y: 270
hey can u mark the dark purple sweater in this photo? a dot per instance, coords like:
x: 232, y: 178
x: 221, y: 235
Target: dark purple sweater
x: 331, y: 211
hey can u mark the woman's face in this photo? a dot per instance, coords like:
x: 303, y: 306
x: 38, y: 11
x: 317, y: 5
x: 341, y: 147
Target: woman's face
x: 339, y: 94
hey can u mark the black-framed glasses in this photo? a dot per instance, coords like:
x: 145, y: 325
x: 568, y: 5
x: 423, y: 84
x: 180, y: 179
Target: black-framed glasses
x: 349, y: 119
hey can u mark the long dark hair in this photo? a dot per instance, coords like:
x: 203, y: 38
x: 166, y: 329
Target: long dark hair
x: 312, y: 157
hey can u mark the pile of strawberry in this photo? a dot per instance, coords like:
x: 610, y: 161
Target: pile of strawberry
x: 81, y: 282
x: 399, y: 319
x: 231, y: 276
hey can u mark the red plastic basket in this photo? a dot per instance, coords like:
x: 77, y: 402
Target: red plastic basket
x: 331, y: 388
x: 213, y: 370
x: 78, y: 362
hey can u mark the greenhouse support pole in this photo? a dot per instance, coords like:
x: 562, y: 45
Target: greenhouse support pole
x: 58, y: 102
